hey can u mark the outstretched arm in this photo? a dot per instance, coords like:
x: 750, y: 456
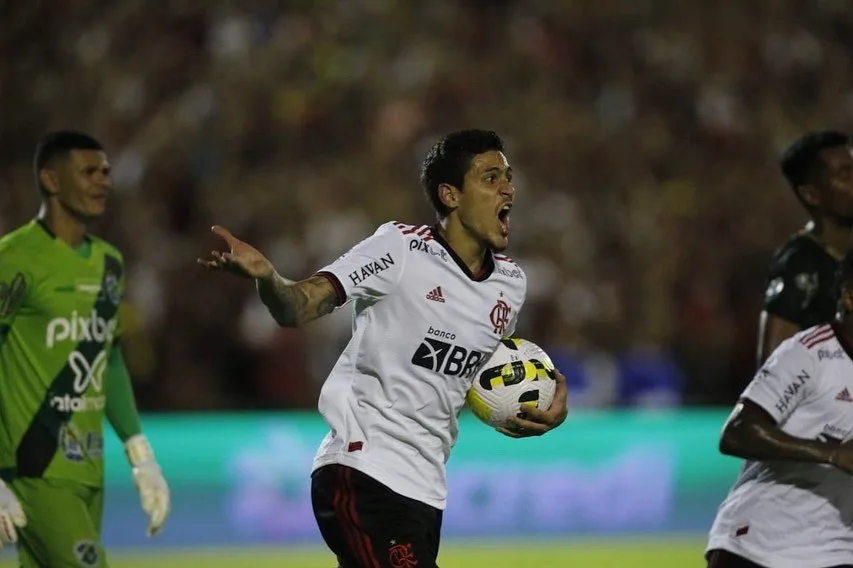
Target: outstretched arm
x: 290, y: 303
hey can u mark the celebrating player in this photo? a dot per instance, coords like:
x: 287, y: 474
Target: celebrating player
x: 61, y: 367
x: 799, y: 292
x: 430, y: 304
x: 792, y: 504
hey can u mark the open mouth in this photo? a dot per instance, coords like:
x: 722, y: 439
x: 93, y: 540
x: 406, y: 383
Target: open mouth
x: 503, y: 218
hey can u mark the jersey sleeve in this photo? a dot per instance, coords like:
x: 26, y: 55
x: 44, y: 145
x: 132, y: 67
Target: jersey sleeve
x: 371, y: 269
x: 792, y: 282
x: 15, y: 285
x: 784, y: 381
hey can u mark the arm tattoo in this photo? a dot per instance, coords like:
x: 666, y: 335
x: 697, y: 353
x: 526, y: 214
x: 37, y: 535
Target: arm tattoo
x: 294, y: 303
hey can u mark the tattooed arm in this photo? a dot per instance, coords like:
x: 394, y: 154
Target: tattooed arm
x: 292, y: 304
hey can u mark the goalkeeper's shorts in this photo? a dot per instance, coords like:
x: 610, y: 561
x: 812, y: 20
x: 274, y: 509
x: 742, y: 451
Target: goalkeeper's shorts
x: 367, y: 525
x: 63, y: 524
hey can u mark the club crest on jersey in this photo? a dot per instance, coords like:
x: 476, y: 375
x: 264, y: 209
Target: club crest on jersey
x: 808, y: 284
x: 12, y: 295
x: 371, y: 269
x: 499, y: 316
x: 86, y: 553
x: 110, y: 290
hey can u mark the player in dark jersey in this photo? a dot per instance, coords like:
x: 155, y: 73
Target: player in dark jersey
x: 61, y: 367
x: 799, y: 287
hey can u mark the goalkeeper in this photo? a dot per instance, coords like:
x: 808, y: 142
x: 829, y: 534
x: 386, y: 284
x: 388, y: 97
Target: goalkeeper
x: 61, y: 368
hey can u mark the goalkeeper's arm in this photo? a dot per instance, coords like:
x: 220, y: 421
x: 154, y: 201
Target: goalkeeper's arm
x: 124, y: 418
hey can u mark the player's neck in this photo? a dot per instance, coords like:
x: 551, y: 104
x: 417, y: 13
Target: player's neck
x: 834, y: 237
x: 63, y: 225
x: 471, y: 250
x: 845, y: 327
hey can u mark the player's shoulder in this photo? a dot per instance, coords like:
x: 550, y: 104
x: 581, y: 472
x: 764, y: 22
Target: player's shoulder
x: 106, y: 246
x: 22, y: 240
x: 506, y: 266
x: 800, y: 250
x: 406, y: 231
x: 811, y: 342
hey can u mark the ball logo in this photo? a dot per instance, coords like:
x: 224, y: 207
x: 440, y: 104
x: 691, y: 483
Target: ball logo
x: 499, y: 316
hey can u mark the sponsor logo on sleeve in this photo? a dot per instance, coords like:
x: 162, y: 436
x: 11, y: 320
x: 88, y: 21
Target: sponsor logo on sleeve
x: 791, y: 391
x: 371, y: 269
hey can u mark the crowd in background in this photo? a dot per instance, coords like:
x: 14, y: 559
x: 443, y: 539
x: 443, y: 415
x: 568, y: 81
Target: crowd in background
x: 644, y: 135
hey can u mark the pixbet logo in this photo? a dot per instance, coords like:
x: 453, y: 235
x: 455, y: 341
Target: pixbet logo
x: 76, y: 328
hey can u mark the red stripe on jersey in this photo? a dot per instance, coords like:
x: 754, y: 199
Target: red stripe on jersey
x: 818, y: 339
x: 423, y: 231
x: 814, y: 333
x: 410, y: 230
x: 503, y: 258
x: 817, y: 331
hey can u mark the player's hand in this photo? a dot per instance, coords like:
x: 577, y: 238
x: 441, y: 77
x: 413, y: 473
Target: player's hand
x: 11, y: 516
x: 153, y: 491
x: 242, y: 259
x: 536, y: 422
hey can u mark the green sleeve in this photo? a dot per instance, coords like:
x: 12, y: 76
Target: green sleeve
x: 121, y: 405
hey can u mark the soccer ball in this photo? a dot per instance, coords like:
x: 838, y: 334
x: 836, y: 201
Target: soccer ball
x: 518, y: 373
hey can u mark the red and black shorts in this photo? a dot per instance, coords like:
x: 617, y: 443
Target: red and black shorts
x: 367, y: 525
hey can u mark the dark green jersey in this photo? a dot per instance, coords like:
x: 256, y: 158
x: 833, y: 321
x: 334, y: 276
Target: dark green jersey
x: 59, y: 319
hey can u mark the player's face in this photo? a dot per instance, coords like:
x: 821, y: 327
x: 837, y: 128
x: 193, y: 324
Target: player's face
x: 486, y: 199
x: 837, y: 187
x: 84, y: 183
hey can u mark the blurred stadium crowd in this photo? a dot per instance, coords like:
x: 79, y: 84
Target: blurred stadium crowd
x: 644, y: 134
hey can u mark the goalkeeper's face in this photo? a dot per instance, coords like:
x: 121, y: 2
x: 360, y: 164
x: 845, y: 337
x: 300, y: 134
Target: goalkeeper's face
x: 84, y: 183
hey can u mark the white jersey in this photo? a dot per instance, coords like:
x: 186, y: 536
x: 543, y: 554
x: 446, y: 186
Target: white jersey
x: 793, y: 514
x: 422, y: 326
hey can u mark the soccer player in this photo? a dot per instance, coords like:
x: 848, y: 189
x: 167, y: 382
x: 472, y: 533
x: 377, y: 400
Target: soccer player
x: 61, y: 367
x: 799, y: 294
x: 430, y: 304
x: 792, y: 504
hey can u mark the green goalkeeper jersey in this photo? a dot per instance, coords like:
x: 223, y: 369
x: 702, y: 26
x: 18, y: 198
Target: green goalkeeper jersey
x: 58, y: 321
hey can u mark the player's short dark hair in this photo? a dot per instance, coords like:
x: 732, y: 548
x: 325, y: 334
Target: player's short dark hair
x: 801, y: 162
x: 59, y: 144
x: 449, y: 159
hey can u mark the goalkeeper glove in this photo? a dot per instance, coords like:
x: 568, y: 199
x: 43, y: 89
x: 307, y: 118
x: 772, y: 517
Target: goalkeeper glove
x: 153, y: 490
x: 11, y: 516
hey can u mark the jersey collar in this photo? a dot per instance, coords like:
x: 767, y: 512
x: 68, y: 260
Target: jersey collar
x: 488, y: 262
x: 40, y: 222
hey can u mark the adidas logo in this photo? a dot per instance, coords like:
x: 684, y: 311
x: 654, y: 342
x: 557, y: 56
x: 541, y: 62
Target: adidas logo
x: 844, y: 395
x: 435, y: 295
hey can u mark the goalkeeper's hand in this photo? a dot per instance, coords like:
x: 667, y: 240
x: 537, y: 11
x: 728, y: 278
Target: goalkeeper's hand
x: 153, y: 490
x: 11, y: 516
